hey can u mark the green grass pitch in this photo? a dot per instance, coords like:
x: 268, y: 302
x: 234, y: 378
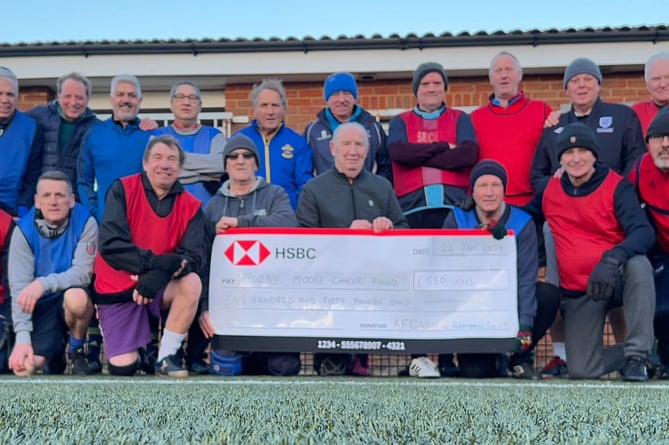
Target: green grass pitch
x: 313, y: 410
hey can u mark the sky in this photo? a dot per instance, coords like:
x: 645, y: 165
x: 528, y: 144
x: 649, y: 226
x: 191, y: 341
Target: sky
x: 31, y: 21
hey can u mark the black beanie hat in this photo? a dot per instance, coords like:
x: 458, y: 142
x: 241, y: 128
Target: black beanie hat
x: 487, y: 167
x: 660, y: 124
x: 576, y: 135
x: 423, y: 70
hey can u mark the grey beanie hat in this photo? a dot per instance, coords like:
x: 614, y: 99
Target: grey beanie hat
x: 582, y: 66
x: 237, y: 142
x: 423, y: 70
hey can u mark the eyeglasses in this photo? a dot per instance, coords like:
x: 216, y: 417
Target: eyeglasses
x: 183, y: 97
x: 245, y: 155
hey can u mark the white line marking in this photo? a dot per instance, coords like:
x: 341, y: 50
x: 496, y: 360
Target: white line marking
x: 312, y: 381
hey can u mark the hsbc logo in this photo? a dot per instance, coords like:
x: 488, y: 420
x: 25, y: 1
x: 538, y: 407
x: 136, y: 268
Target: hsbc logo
x: 247, y: 253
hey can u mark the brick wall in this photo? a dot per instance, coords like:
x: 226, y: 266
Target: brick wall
x: 31, y: 97
x: 306, y: 99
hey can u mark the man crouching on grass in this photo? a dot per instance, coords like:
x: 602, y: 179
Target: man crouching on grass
x: 151, y: 254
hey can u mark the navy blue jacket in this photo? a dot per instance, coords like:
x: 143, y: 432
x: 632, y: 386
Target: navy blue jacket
x: 49, y: 119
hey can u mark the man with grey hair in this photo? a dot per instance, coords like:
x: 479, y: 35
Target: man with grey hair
x: 112, y: 149
x: 656, y: 74
x: 349, y: 196
x: 509, y: 126
x: 201, y: 173
x: 285, y: 156
x: 21, y: 147
x: 64, y: 122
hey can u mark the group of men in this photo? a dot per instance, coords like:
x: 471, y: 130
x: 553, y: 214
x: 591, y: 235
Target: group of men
x: 128, y: 241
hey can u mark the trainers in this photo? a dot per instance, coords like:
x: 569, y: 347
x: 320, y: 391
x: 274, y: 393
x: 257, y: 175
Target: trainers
x: 522, y: 370
x: 555, y: 368
x: 634, y: 370
x: 147, y: 361
x: 423, y: 367
x: 170, y: 366
x: 663, y: 372
x: 199, y: 367
x: 360, y: 369
x: 334, y: 364
x: 448, y: 370
x: 83, y: 364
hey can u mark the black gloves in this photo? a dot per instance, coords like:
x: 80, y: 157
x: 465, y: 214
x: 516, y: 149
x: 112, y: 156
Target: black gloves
x: 169, y: 263
x: 152, y: 282
x: 605, y: 277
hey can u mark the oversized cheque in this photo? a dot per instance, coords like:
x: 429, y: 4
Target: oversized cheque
x: 353, y: 290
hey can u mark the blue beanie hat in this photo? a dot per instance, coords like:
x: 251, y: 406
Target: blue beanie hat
x: 340, y: 82
x: 582, y: 66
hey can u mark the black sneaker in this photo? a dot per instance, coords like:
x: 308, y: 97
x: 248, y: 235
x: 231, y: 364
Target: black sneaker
x: 522, y: 370
x: 170, y: 366
x: 198, y: 367
x: 147, y: 361
x: 634, y: 369
x: 663, y: 372
x: 83, y: 364
x: 334, y: 364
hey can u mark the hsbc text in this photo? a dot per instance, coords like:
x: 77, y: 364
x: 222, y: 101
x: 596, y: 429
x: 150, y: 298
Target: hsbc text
x: 295, y: 253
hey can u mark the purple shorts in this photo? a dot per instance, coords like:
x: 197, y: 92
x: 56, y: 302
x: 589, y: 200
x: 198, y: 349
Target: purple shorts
x: 125, y: 326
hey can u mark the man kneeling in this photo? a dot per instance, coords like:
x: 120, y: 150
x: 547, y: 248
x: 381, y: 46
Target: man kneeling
x: 151, y: 255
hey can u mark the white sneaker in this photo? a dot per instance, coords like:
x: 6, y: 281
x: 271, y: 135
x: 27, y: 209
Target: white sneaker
x: 423, y: 367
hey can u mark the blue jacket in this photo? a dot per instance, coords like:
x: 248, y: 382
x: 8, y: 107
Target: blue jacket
x: 49, y: 118
x: 21, y: 165
x: 319, y: 134
x: 285, y: 159
x: 108, y: 152
x: 526, y: 253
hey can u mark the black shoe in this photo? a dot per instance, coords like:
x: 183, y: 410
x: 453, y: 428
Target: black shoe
x: 522, y: 370
x: 170, y: 366
x: 448, y: 369
x: 634, y: 369
x: 147, y: 361
x: 199, y: 367
x: 663, y: 372
x: 83, y: 364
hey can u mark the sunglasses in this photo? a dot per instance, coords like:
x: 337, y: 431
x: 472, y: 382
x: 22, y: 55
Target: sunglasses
x: 245, y: 155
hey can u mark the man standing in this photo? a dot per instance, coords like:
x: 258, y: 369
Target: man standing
x: 600, y: 244
x: 151, y: 255
x: 64, y: 122
x: 656, y: 75
x: 203, y: 167
x: 341, y: 94
x: 651, y: 178
x: 348, y: 196
x: 432, y: 148
x: 50, y: 265
x: 616, y: 127
x: 285, y: 156
x: 112, y: 149
x: 509, y: 127
x: 21, y: 147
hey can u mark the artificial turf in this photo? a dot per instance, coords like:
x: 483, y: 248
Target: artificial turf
x: 244, y: 410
